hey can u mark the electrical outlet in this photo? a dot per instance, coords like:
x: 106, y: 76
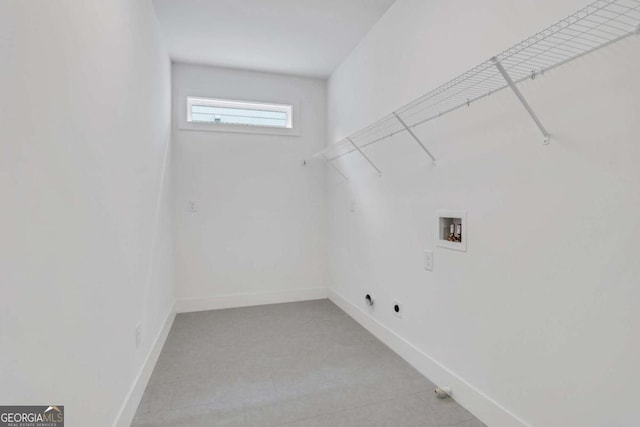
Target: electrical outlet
x: 138, y: 335
x: 428, y: 260
x: 192, y: 206
x: 397, y: 309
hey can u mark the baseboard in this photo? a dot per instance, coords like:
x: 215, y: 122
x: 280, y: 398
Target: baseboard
x: 130, y: 405
x: 482, y: 406
x: 185, y: 305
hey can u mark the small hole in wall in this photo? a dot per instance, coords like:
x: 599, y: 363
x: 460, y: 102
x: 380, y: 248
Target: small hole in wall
x: 369, y: 300
x: 397, y: 308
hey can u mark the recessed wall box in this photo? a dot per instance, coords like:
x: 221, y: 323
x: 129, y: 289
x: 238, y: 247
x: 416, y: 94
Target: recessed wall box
x: 452, y: 230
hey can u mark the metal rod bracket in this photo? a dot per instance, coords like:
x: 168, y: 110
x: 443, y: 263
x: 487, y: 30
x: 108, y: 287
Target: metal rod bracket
x: 330, y: 161
x: 414, y: 136
x: 365, y: 156
x: 522, y: 99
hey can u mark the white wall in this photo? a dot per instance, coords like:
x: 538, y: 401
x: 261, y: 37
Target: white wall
x: 260, y: 231
x: 86, y: 237
x: 540, y: 314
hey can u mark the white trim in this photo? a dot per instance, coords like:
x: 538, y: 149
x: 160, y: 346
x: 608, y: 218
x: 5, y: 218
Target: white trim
x: 131, y: 402
x: 186, y: 305
x: 482, y: 406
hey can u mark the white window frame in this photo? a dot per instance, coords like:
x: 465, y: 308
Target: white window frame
x: 188, y: 98
x: 228, y: 103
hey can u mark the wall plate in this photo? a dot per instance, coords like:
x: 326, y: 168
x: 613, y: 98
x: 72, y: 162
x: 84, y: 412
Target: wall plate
x: 428, y: 260
x: 444, y: 219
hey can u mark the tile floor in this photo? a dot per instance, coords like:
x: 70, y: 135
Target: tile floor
x: 297, y: 364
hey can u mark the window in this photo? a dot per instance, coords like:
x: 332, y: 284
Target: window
x: 239, y: 113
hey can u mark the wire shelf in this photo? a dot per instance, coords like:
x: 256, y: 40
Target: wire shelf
x: 599, y: 24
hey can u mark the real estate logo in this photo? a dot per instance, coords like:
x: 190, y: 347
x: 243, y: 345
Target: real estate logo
x: 32, y: 416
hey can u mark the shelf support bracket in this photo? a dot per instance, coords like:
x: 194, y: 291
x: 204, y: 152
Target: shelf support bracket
x: 414, y: 136
x: 522, y: 99
x: 365, y: 156
x: 335, y: 167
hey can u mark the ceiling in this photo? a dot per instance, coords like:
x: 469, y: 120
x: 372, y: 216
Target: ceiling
x: 301, y: 37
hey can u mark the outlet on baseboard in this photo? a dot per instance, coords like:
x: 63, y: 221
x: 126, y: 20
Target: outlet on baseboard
x: 397, y: 309
x: 138, y: 335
